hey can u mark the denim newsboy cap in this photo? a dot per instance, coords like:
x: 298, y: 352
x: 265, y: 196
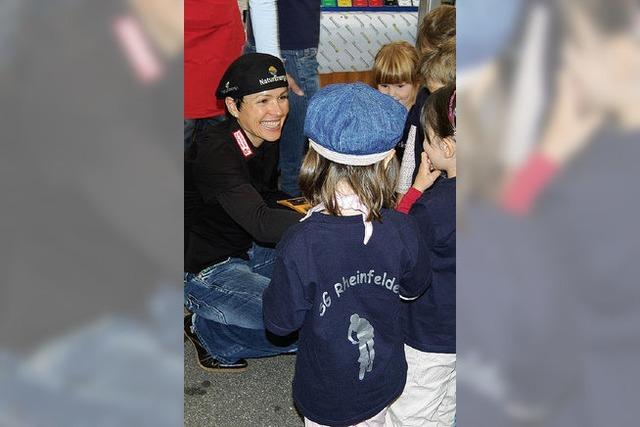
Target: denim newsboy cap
x: 354, y: 124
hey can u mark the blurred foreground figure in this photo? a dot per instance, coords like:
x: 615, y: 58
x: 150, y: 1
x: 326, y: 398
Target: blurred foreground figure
x: 92, y: 179
x: 547, y: 263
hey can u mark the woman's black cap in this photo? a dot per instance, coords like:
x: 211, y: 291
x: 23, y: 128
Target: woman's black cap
x: 252, y: 73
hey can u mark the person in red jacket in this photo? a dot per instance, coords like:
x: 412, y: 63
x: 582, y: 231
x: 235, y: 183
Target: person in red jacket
x: 213, y: 38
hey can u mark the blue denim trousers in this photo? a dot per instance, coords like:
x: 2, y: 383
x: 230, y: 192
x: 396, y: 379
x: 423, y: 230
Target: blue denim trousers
x: 226, y: 299
x: 302, y: 65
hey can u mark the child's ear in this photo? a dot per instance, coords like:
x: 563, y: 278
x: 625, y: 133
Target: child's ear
x: 449, y: 147
x: 231, y: 106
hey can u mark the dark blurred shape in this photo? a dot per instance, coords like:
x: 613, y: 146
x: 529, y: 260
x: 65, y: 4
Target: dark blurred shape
x: 548, y: 303
x: 91, y: 171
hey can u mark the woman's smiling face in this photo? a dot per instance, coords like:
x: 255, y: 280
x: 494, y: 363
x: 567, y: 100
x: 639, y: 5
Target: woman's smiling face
x: 262, y: 115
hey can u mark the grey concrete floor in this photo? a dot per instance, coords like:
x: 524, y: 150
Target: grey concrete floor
x: 258, y: 396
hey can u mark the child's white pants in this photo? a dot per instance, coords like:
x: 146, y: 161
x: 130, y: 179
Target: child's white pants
x: 429, y: 396
x: 375, y: 421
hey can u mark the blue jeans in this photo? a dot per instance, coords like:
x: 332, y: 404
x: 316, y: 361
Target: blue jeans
x: 192, y: 127
x: 302, y: 65
x: 226, y: 299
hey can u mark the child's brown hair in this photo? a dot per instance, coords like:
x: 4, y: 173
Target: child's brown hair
x: 439, y: 112
x: 437, y: 27
x: 373, y: 184
x: 438, y: 67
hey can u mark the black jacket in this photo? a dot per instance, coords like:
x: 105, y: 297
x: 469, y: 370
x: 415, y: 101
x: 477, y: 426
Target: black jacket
x: 230, y: 190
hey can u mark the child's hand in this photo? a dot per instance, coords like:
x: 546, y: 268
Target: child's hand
x: 426, y: 177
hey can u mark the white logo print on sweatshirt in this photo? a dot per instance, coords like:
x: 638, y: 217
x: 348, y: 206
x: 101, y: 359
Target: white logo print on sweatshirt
x: 364, y: 339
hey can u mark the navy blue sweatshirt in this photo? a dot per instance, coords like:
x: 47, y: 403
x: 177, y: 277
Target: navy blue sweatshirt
x: 430, y: 321
x: 298, y: 24
x: 344, y: 297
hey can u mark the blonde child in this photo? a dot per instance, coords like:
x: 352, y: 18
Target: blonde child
x: 395, y: 72
x: 340, y: 273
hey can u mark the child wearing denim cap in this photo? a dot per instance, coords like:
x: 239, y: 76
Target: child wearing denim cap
x: 429, y: 326
x: 341, y: 272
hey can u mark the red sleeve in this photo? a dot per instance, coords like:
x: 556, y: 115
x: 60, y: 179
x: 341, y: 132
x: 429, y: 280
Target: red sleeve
x: 526, y: 185
x: 408, y: 200
x: 213, y: 39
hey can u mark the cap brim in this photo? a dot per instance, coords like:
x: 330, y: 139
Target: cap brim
x: 349, y: 159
